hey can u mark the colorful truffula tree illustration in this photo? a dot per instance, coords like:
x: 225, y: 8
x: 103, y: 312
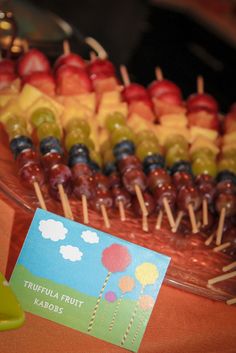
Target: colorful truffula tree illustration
x: 126, y: 284
x: 115, y: 258
x: 146, y: 303
x: 146, y: 274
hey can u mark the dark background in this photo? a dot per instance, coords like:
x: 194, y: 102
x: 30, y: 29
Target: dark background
x: 142, y: 36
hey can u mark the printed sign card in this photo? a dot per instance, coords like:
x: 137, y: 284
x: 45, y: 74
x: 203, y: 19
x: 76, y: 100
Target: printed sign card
x: 88, y: 280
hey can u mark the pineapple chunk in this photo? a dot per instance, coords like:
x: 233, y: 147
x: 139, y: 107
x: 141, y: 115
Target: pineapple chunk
x: 196, y: 131
x: 109, y: 98
x: 203, y: 142
x: 174, y: 120
x: 28, y: 96
x: 137, y: 123
x: 164, y: 132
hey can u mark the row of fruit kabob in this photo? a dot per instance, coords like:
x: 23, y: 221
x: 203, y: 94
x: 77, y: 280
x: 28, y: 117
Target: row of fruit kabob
x: 139, y: 104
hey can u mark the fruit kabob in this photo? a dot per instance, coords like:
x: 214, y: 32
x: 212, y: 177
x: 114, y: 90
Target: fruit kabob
x: 49, y: 136
x: 85, y: 163
x: 21, y: 145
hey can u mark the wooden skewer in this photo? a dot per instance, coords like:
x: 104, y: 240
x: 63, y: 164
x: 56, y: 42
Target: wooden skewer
x: 222, y: 278
x: 93, y: 56
x: 159, y: 220
x: 66, y: 47
x: 222, y: 247
x: 39, y: 196
x: 192, y: 219
x: 124, y: 75
x: 210, y: 239
x: 85, y: 209
x: 63, y: 200
x: 158, y: 74
x: 205, y: 212
x: 93, y: 43
x: 105, y: 216
x: 200, y: 84
x: 231, y: 301
x: 219, y: 231
x: 169, y: 212
x: 177, y: 221
x: 145, y: 223
x: 25, y: 45
x: 229, y: 267
x: 141, y: 200
x: 69, y: 211
x: 122, y: 211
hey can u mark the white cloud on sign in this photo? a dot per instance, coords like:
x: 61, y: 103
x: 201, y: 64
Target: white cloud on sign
x: 53, y: 230
x: 71, y: 253
x: 90, y: 237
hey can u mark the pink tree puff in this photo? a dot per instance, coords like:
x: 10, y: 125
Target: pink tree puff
x: 126, y: 284
x: 116, y: 258
x: 110, y: 296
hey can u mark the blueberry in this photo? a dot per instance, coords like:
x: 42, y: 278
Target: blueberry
x: 181, y: 166
x: 50, y: 144
x: 226, y: 175
x: 79, y: 149
x: 123, y: 149
x: 94, y: 166
x: 109, y: 168
x: 153, y: 162
x: 19, y: 144
x: 78, y: 159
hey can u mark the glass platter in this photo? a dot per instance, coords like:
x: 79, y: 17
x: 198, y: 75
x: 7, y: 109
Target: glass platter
x: 192, y: 262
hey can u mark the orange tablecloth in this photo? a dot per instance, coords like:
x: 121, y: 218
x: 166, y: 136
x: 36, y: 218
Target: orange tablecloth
x: 180, y: 323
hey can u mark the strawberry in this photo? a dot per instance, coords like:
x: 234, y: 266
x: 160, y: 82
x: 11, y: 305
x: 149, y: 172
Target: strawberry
x: 100, y: 69
x: 202, y: 101
x: 7, y: 66
x: 6, y: 78
x: 32, y: 61
x: 70, y: 59
x: 72, y: 80
x: 158, y: 88
x: 44, y: 81
x: 134, y: 91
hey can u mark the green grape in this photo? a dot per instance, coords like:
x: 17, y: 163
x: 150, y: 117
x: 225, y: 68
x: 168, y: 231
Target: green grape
x: 18, y: 131
x: 203, y: 152
x: 227, y: 164
x: 42, y: 115
x: 13, y: 122
x: 146, y: 135
x: 173, y: 140
x: 47, y: 129
x: 96, y: 157
x: 204, y: 166
x: 77, y: 123
x: 122, y: 134
x: 115, y: 121
x: 147, y: 148
x: 176, y: 154
x: 75, y: 137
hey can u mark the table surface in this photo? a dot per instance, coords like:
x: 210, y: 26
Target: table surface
x: 180, y: 323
